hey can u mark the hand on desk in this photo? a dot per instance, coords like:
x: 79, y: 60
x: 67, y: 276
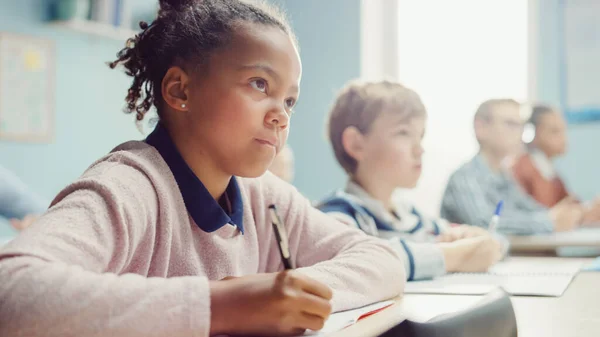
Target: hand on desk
x: 591, y: 215
x: 567, y: 215
x: 23, y: 223
x: 474, y: 254
x: 461, y: 232
x: 274, y: 304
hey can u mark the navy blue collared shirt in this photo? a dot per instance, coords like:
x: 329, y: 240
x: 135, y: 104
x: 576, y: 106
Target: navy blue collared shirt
x: 203, y: 208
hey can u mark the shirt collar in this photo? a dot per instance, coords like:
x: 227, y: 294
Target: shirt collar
x: 542, y: 163
x: 203, y: 208
x: 373, y: 205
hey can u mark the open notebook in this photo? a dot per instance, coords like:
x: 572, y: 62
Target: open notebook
x: 524, y: 276
x: 340, y: 320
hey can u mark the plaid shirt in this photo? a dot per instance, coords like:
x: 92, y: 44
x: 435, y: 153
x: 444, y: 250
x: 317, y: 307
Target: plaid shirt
x: 473, y: 192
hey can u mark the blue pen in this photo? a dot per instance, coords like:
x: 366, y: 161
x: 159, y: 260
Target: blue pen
x: 496, y: 217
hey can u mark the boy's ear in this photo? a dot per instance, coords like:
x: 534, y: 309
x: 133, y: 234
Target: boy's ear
x: 353, y: 142
x: 479, y: 126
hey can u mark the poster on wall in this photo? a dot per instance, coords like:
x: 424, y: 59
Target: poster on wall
x: 580, y: 73
x: 26, y: 88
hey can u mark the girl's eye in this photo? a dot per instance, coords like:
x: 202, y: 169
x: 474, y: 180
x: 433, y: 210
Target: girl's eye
x: 289, y: 103
x: 259, y: 84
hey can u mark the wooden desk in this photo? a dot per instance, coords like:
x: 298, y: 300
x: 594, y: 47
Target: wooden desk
x: 576, y: 313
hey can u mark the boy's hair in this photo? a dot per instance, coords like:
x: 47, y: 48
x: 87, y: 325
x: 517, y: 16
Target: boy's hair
x: 485, y: 109
x: 184, y: 34
x: 360, y: 104
x: 537, y: 112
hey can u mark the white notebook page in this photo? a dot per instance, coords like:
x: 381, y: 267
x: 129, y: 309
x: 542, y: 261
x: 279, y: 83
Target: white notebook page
x: 517, y: 276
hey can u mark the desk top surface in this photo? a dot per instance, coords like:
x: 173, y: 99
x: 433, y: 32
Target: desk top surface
x: 576, y: 313
x: 584, y: 237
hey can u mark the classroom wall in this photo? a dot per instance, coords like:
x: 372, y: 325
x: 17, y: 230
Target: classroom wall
x: 580, y: 166
x: 329, y: 36
x: 89, y: 97
x: 89, y: 120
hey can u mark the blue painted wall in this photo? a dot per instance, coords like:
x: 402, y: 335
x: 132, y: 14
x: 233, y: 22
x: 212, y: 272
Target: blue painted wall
x: 581, y: 165
x: 89, y: 101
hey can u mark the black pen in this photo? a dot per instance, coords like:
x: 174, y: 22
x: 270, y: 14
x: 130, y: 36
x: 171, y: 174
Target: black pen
x: 282, y: 238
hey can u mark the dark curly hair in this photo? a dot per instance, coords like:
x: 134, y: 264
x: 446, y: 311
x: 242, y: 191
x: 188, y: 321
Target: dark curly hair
x: 184, y: 32
x: 537, y: 112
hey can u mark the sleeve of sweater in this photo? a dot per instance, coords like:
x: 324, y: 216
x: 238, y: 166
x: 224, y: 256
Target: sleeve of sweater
x: 421, y: 260
x: 360, y: 269
x: 65, y: 274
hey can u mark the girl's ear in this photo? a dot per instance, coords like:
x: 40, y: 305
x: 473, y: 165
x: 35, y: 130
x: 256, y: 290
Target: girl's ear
x: 174, y: 89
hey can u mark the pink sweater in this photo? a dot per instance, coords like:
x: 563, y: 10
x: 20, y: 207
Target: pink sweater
x: 117, y: 254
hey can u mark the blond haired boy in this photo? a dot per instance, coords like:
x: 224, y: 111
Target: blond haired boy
x: 375, y: 130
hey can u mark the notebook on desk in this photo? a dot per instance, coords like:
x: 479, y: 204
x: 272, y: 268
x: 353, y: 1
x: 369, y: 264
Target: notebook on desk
x: 340, y: 320
x: 517, y: 276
